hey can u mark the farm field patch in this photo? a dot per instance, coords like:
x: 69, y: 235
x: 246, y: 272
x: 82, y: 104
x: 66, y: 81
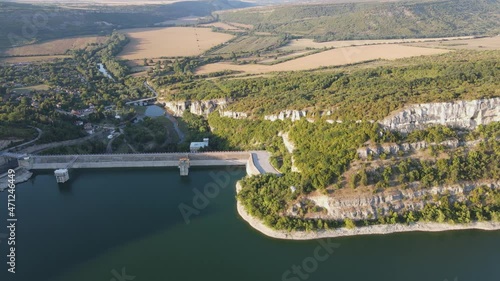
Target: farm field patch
x: 248, y: 44
x: 54, y: 47
x: 170, y: 42
x: 335, y: 57
x: 301, y: 44
x: 487, y: 43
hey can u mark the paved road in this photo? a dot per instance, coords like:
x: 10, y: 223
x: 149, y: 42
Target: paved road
x: 40, y: 147
x: 261, y: 162
x: 109, y: 147
x: 176, y: 126
x: 40, y: 132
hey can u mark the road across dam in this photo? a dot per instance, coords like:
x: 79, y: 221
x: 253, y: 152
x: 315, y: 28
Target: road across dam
x: 35, y: 162
x: 256, y: 162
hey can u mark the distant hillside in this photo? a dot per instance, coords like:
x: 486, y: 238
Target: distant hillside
x: 375, y: 20
x: 28, y: 23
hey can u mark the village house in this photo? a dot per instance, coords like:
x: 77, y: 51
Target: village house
x: 88, y: 128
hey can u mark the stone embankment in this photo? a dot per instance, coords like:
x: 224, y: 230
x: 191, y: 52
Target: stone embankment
x: 21, y: 175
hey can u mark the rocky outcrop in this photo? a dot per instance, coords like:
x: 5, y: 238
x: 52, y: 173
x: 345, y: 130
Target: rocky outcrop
x: 366, y: 205
x: 294, y: 115
x: 394, y: 148
x: 234, y: 114
x: 196, y: 107
x: 290, y: 146
x: 464, y: 114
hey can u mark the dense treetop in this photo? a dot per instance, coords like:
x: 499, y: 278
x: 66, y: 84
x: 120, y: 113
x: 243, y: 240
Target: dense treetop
x: 324, y: 22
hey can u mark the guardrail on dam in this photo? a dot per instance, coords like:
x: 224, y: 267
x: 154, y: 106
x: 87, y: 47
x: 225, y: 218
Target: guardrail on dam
x: 40, y: 162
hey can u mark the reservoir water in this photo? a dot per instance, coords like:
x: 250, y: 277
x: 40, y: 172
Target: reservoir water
x: 125, y: 224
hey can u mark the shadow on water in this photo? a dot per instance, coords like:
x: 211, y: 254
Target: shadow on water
x: 108, y: 210
x: 186, y: 180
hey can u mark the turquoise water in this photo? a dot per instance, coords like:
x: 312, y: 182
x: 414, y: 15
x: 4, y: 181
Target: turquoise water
x: 108, y: 222
x: 154, y: 111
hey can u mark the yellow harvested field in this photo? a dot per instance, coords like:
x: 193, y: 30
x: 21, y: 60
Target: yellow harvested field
x: 31, y: 59
x: 300, y: 44
x: 487, y: 43
x: 170, y: 42
x: 335, y: 57
x: 54, y: 47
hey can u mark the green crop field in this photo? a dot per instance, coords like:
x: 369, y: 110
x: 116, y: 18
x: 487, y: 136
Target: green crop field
x: 250, y: 44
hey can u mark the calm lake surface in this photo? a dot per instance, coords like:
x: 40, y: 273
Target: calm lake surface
x: 108, y: 222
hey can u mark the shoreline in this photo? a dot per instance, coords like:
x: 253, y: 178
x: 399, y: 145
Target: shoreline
x: 364, y: 230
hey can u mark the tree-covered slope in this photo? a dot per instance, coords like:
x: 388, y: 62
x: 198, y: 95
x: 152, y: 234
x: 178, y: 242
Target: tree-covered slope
x: 376, y: 20
x: 360, y: 94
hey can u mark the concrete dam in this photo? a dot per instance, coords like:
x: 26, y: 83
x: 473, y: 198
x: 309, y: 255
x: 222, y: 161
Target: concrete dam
x: 256, y: 162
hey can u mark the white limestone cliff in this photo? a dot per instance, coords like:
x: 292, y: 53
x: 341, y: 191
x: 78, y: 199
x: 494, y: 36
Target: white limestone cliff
x: 464, y: 114
x: 361, y: 206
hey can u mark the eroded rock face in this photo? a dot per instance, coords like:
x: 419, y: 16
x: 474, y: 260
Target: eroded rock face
x: 234, y: 114
x: 290, y: 146
x: 370, y: 206
x: 394, y: 148
x: 464, y: 114
x: 196, y: 107
x: 294, y: 115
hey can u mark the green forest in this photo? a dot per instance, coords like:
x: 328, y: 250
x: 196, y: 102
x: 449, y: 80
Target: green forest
x: 326, y: 22
x: 325, y: 151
